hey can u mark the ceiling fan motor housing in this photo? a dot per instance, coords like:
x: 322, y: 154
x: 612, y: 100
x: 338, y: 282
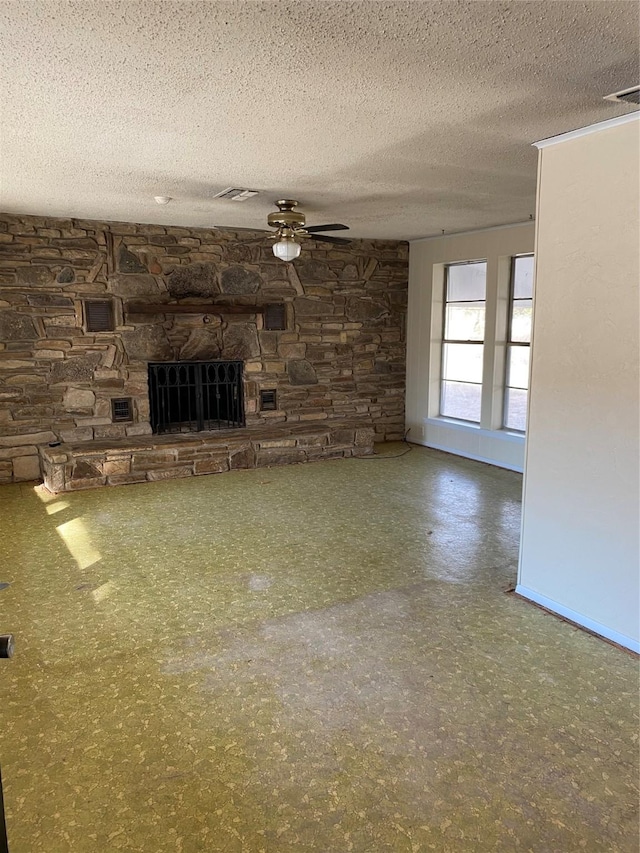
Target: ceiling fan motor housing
x: 286, y: 217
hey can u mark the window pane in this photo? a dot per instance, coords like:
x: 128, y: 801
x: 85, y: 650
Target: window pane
x: 523, y: 278
x: 465, y: 321
x: 518, y: 367
x: 466, y: 282
x: 462, y: 362
x: 515, y: 409
x: 521, y: 321
x: 461, y: 400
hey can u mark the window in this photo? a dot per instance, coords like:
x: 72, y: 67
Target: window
x: 463, y: 340
x: 518, y: 343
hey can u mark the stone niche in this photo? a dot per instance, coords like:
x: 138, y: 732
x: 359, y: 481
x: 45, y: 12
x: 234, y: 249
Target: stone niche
x: 340, y: 357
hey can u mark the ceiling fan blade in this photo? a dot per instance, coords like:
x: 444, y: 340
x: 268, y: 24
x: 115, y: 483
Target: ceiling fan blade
x: 334, y: 226
x: 339, y: 241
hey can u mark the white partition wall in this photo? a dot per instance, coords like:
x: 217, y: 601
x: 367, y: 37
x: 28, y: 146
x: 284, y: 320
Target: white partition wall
x: 428, y: 259
x: 579, y: 551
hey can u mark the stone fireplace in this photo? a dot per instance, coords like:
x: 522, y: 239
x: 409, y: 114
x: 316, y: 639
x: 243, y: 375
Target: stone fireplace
x: 86, y: 307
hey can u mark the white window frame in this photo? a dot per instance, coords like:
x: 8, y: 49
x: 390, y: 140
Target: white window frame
x: 510, y: 343
x: 445, y: 340
x: 498, y: 301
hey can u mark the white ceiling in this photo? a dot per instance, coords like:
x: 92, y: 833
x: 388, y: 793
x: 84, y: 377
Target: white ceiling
x: 399, y: 119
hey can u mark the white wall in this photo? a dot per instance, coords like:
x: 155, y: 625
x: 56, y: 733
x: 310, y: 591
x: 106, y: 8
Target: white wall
x: 579, y: 550
x: 427, y: 260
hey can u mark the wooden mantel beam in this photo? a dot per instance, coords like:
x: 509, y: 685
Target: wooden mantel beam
x: 194, y: 308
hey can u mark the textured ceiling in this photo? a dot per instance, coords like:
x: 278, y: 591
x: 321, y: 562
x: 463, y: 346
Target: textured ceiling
x: 399, y: 119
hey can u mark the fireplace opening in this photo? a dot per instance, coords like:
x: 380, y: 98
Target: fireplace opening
x: 190, y: 396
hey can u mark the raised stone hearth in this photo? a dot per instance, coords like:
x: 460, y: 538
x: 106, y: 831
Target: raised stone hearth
x: 87, y: 465
x: 85, y: 307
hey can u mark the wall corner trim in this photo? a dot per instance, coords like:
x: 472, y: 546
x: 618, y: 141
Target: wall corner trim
x: 578, y: 619
x: 585, y: 131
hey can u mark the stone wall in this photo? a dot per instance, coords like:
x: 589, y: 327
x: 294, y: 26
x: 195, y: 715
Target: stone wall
x: 342, y: 354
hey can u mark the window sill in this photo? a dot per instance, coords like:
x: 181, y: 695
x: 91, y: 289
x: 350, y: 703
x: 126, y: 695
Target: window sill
x: 443, y: 419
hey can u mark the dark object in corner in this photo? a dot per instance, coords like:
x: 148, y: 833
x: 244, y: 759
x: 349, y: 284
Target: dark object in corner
x: 4, y: 844
x: 7, y: 645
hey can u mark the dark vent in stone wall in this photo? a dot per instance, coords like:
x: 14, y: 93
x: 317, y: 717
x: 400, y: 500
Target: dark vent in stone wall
x: 99, y: 315
x: 268, y: 401
x: 275, y: 316
x: 121, y: 409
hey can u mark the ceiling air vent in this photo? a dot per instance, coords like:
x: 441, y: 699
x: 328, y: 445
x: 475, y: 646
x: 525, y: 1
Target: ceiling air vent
x: 236, y: 194
x: 626, y: 96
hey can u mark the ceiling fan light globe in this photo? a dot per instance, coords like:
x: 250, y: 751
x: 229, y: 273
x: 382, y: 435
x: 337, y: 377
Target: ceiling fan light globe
x: 287, y: 249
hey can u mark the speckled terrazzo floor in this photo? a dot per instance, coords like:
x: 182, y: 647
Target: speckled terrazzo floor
x: 311, y: 658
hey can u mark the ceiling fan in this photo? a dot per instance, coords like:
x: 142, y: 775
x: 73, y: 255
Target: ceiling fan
x: 290, y: 229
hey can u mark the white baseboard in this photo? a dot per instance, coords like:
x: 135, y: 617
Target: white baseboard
x: 492, y: 446
x: 465, y: 455
x: 579, y: 619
